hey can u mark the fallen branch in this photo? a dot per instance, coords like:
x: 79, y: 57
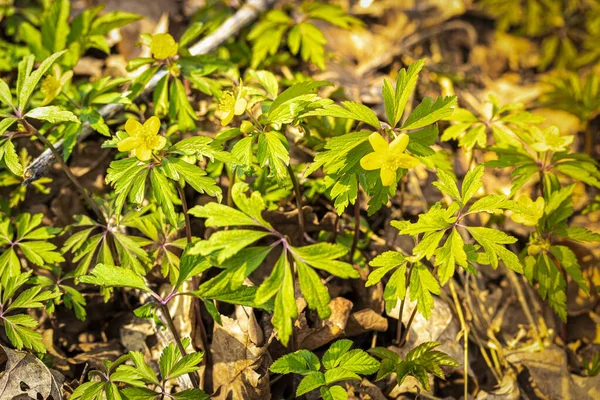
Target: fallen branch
x: 245, y: 15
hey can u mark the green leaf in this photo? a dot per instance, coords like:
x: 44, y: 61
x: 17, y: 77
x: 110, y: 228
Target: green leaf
x: 350, y: 110
x: 491, y: 241
x: 30, y: 80
x: 332, y: 356
x: 313, y: 289
x: 52, y: 114
x: 422, y: 285
x: 323, y: 255
x: 472, y: 183
x: 405, y: 84
x: 272, y: 148
x: 429, y: 112
x: 301, y: 362
x: 110, y: 276
x: 450, y: 254
x: 112, y: 20
x: 447, y: 184
x: 578, y: 234
x: 5, y: 96
x: 163, y: 192
x: 227, y: 243
x: 285, y: 306
x: 55, y: 25
x: 196, y: 178
x: 19, y: 332
x: 384, y: 263
x: 11, y: 159
x: 493, y: 204
x: 310, y: 382
x: 333, y: 393
x: 435, y: 219
x: 568, y: 261
x: 359, y: 362
x: 395, y: 289
x: 188, y: 363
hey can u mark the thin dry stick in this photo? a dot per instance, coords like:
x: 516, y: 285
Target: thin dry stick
x: 465, y: 330
x: 244, y: 16
x: 524, y: 305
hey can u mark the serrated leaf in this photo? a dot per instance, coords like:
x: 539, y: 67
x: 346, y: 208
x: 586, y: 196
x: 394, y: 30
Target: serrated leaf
x: 301, y: 362
x: 472, y: 183
x: 422, y: 285
x: 332, y: 356
x: 310, y: 382
x: 111, y: 276
x: 313, y: 289
x: 52, y: 114
x: 429, y: 112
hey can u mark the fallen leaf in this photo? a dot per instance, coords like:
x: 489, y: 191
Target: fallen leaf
x: 27, y: 375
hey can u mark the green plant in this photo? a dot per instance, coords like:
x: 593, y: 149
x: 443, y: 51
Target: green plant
x: 339, y: 362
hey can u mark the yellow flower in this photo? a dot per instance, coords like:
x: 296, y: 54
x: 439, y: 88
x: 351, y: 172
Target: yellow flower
x: 529, y: 211
x: 388, y: 157
x: 550, y: 139
x: 53, y: 84
x: 230, y: 106
x: 142, y: 138
x: 163, y: 46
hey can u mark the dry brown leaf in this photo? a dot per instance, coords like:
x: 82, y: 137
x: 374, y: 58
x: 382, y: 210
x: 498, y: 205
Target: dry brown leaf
x: 26, y: 375
x: 363, y: 321
x: 325, y: 330
x: 240, y: 360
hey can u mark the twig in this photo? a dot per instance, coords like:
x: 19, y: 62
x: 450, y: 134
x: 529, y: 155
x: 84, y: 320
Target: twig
x: 244, y: 16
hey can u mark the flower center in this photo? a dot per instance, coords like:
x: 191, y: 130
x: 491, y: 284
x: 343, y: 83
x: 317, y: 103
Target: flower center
x: 390, y: 161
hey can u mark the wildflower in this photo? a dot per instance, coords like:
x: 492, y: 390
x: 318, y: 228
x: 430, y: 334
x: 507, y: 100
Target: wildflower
x: 529, y: 212
x: 550, y: 139
x: 388, y: 157
x: 142, y: 138
x: 53, y: 84
x: 163, y: 46
x: 230, y: 106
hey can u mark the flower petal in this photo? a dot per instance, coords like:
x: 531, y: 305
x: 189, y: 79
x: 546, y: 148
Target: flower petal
x: 378, y: 142
x: 161, y: 141
x: 240, y: 106
x: 143, y: 153
x: 388, y: 176
x: 399, y: 144
x: 152, y: 125
x: 133, y: 127
x: 128, y: 144
x: 406, y: 161
x: 371, y: 161
x: 226, y: 117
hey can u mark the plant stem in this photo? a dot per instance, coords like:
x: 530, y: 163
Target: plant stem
x: 188, y: 227
x: 298, y: 196
x: 356, y: 226
x: 171, y: 327
x: 405, y: 332
x: 399, y: 331
x: 66, y: 170
x: 195, y: 282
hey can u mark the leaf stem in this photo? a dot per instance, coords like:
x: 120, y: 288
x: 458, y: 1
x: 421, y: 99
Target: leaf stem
x: 465, y: 331
x: 298, y: 196
x: 400, y: 332
x: 188, y: 227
